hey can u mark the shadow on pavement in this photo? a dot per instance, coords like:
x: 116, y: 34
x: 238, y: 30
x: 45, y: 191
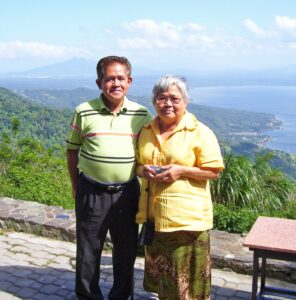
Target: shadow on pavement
x: 37, y: 283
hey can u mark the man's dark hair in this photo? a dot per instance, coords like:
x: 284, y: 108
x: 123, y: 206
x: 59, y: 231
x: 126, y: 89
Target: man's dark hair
x: 105, y: 61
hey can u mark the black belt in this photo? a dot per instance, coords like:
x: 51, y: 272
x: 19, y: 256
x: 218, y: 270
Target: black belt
x: 107, y: 187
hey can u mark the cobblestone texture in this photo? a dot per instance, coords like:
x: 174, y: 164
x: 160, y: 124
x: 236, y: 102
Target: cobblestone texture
x: 42, y: 267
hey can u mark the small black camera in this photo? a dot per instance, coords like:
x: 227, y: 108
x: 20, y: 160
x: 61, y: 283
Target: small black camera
x: 157, y: 169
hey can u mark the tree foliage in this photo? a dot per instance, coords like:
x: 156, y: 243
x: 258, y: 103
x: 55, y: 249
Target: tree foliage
x: 47, y: 125
x: 33, y: 167
x: 252, y: 184
x: 29, y: 171
x: 240, y: 132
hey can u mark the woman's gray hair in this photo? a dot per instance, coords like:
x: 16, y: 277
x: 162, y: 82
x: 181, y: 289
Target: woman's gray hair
x: 164, y: 83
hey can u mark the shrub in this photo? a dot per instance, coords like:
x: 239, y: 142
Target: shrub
x: 29, y: 171
x: 236, y: 220
x: 255, y: 185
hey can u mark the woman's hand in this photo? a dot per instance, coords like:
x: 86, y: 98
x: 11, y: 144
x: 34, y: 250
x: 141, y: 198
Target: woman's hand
x: 148, y: 172
x: 151, y: 172
x: 170, y: 173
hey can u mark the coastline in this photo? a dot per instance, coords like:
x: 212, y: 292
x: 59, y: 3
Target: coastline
x: 274, y: 99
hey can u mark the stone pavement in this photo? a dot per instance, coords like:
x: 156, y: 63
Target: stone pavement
x: 37, y: 257
x: 38, y: 268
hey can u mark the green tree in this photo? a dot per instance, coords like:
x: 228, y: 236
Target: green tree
x: 30, y: 171
x: 15, y: 124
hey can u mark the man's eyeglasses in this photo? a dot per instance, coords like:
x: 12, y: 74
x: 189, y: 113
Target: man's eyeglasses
x: 165, y: 99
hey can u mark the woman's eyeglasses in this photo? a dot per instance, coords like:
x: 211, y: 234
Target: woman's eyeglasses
x: 165, y: 99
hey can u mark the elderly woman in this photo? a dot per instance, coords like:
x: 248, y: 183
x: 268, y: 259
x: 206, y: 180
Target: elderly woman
x: 177, y: 264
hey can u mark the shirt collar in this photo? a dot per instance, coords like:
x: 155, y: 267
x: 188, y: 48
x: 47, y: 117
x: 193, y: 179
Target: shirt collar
x: 188, y: 121
x: 103, y: 108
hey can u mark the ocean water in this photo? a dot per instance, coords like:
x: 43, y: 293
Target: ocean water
x: 277, y: 100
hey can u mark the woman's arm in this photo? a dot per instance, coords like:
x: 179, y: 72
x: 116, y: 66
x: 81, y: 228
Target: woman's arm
x: 149, y: 171
x: 175, y: 172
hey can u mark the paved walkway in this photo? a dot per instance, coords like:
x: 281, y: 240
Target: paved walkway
x: 38, y: 268
x: 35, y: 267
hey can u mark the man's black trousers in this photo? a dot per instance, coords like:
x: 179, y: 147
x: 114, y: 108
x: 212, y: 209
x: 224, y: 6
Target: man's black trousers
x: 97, y: 211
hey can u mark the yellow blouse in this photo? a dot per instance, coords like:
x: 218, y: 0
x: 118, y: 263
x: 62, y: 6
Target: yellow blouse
x: 186, y: 203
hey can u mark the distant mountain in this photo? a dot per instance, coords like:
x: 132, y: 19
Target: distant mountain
x: 80, y: 72
x: 75, y: 67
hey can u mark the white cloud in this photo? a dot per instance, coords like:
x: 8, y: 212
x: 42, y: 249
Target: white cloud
x: 282, y: 33
x: 151, y: 29
x: 192, y: 38
x: 172, y: 42
x: 192, y: 27
x: 150, y: 34
x: 18, y: 49
x: 285, y: 23
x: 195, y: 44
x: 108, y: 31
x: 134, y: 43
x: 147, y: 26
x: 254, y: 28
x: 286, y: 30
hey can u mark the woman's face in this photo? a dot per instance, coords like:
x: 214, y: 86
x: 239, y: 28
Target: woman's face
x: 170, y: 106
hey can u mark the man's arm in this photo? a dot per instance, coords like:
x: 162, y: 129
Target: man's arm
x: 72, y: 161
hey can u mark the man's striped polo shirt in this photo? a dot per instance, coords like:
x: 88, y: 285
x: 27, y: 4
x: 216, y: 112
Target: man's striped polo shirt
x: 107, y: 141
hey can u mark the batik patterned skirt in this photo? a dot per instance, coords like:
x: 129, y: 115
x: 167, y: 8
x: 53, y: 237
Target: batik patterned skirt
x: 178, y: 265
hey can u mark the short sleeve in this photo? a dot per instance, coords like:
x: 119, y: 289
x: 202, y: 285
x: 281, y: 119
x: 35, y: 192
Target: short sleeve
x: 74, y: 141
x: 209, y: 151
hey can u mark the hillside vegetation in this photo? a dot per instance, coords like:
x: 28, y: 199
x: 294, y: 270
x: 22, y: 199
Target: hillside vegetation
x: 232, y: 126
x: 239, y: 132
x: 48, y: 125
x: 33, y: 166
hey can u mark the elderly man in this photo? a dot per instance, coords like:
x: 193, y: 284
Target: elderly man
x: 101, y: 161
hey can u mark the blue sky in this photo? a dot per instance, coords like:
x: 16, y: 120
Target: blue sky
x: 161, y: 35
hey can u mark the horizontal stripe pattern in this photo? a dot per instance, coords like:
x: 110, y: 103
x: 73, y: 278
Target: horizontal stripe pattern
x: 107, y: 141
x: 108, y: 159
x: 70, y: 143
x: 127, y: 112
x: 93, y: 134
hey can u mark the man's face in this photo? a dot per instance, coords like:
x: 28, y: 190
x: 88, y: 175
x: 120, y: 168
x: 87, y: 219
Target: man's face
x: 115, y: 83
